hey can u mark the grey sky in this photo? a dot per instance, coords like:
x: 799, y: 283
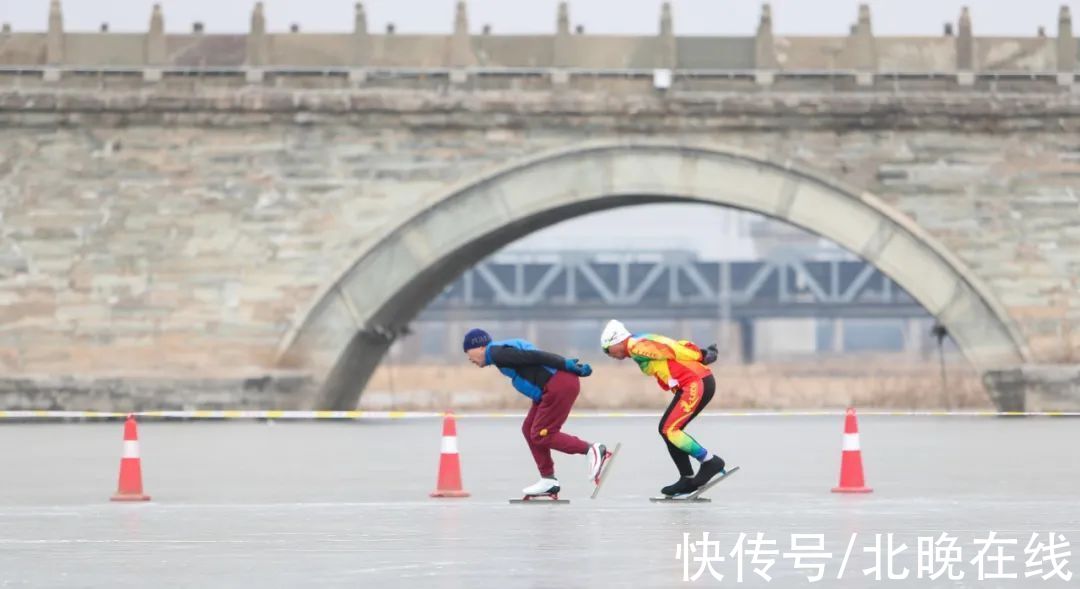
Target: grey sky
x: 712, y: 231
x: 692, y: 17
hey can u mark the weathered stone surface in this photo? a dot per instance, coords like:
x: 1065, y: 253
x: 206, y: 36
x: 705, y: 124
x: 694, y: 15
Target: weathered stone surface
x: 694, y: 112
x: 128, y: 393
x: 188, y: 230
x: 1035, y: 388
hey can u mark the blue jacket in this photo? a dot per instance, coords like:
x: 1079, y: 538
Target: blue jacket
x: 523, y: 385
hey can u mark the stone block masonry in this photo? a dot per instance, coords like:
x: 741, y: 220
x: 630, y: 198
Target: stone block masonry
x: 183, y: 232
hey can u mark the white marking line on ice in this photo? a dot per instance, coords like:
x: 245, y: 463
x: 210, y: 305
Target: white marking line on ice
x: 89, y: 541
x: 275, y: 415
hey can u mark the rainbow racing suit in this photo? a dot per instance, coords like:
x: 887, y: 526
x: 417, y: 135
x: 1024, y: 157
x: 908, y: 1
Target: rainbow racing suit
x: 676, y: 366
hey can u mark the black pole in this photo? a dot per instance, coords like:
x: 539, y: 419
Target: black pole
x: 941, y: 333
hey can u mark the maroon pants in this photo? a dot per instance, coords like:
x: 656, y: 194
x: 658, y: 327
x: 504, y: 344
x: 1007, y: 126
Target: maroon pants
x: 545, y: 420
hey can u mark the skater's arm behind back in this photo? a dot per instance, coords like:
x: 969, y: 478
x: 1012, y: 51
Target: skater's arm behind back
x: 516, y: 358
x: 662, y: 348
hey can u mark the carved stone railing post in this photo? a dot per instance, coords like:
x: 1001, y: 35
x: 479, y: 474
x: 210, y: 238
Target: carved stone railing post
x: 1066, y: 48
x: 156, y: 51
x: 765, y: 61
x: 965, y: 50
x: 258, y: 54
x: 461, y: 54
x: 54, y: 43
x: 669, y: 49
x: 563, y: 51
x: 860, y: 51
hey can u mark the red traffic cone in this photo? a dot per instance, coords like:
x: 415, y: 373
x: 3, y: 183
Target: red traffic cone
x: 851, y: 472
x: 130, y: 486
x: 449, y: 484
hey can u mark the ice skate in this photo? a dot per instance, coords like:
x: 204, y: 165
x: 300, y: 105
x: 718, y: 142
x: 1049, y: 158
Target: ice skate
x: 546, y: 490
x: 684, y: 486
x: 545, y: 487
x: 598, y: 457
x: 709, y: 469
x: 602, y: 465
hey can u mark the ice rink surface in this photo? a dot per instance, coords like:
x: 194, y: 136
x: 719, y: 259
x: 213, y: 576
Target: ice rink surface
x: 241, y: 504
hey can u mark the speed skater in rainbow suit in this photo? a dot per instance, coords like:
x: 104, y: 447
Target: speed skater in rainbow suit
x: 679, y: 366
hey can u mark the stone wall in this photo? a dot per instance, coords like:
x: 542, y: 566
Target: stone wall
x: 128, y: 392
x: 182, y: 233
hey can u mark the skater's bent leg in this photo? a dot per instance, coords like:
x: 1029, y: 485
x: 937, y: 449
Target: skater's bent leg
x: 541, y: 454
x: 680, y: 458
x: 708, y: 389
x: 709, y: 384
x: 686, y: 444
x: 526, y: 425
x: 544, y: 463
x: 684, y: 407
x: 568, y: 444
x: 554, y: 407
x: 710, y: 465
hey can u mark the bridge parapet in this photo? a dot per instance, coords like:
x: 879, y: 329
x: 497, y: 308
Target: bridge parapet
x: 420, y: 101
x: 963, y: 55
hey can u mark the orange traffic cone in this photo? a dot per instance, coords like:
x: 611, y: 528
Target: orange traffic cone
x: 130, y: 487
x: 449, y: 484
x: 851, y: 472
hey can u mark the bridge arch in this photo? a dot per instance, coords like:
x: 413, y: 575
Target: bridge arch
x: 354, y: 319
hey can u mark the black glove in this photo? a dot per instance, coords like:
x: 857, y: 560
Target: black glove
x: 709, y: 354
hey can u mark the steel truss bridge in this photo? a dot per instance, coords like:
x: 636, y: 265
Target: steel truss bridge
x: 596, y: 285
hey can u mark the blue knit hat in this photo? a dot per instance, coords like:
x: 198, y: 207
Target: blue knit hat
x: 476, y: 338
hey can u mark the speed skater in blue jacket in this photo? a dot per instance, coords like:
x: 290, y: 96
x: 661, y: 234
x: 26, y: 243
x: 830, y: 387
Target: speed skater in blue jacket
x: 552, y: 383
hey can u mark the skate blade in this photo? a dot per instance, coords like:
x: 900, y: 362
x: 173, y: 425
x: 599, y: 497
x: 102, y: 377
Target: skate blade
x: 716, y: 480
x: 683, y: 499
x: 604, y: 470
x: 539, y: 500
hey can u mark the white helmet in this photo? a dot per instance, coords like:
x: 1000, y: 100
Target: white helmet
x: 614, y: 332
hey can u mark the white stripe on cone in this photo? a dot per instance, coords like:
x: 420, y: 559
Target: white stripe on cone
x: 449, y: 445
x: 851, y: 442
x: 131, y: 449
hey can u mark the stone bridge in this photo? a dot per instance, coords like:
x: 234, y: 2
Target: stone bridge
x: 258, y: 235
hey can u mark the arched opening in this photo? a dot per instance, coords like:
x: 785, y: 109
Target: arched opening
x: 355, y: 319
